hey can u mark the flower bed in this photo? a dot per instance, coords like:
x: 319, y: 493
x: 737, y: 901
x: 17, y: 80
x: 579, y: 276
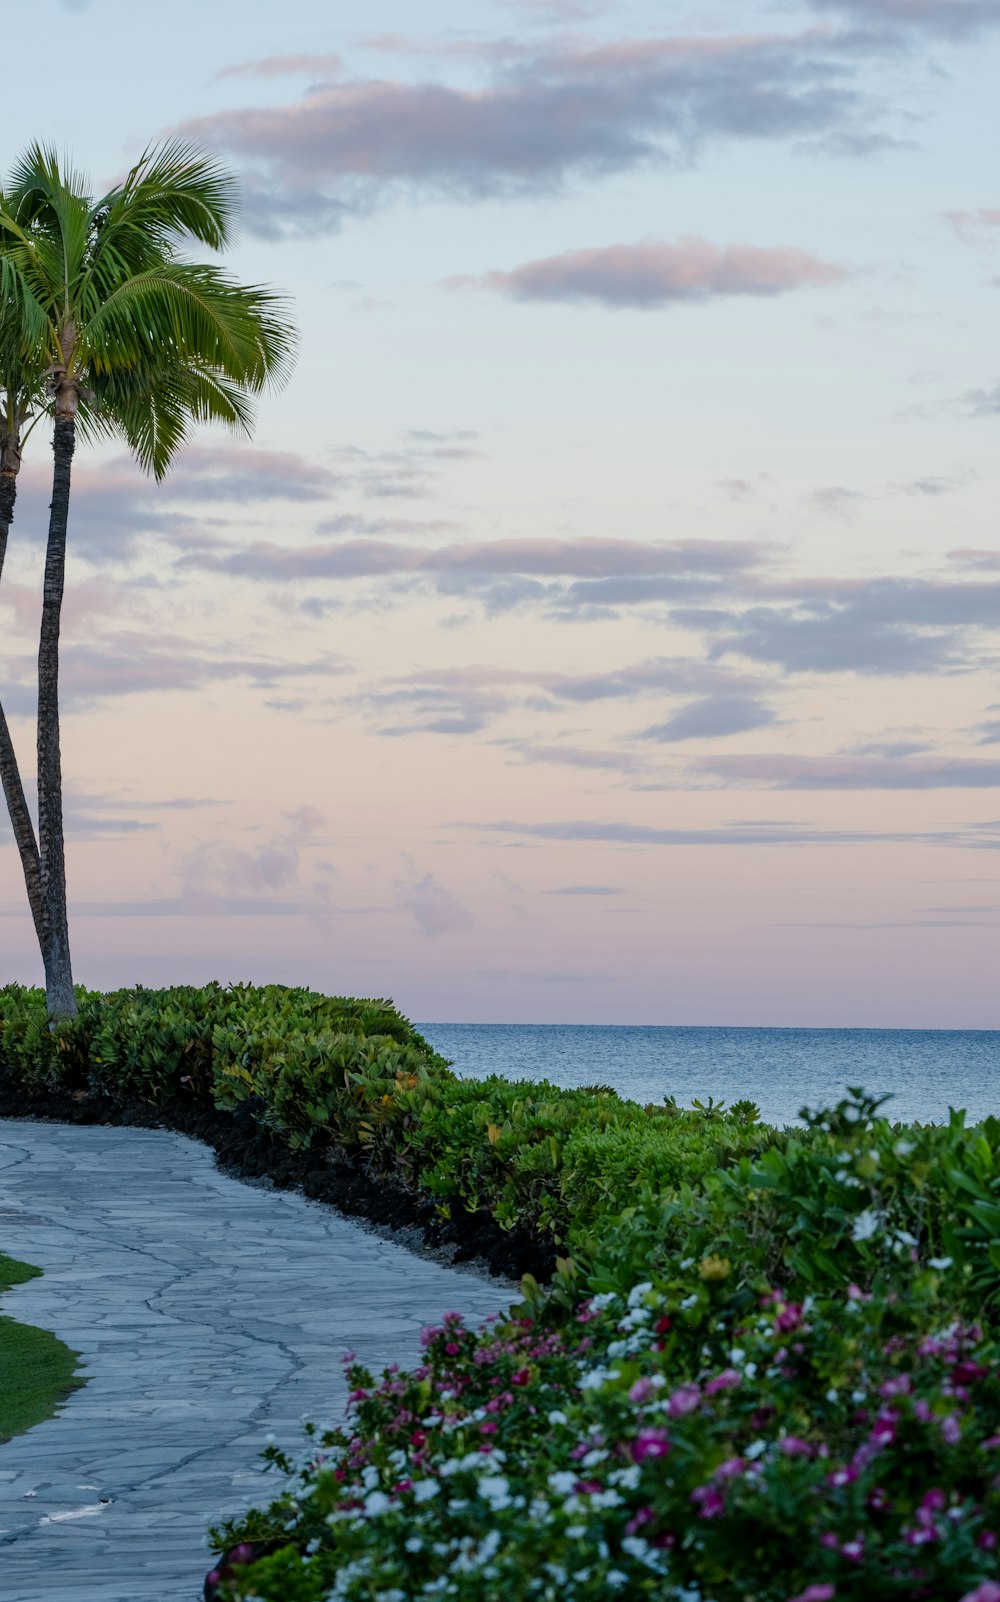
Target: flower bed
x: 652, y: 1447
x: 672, y: 1419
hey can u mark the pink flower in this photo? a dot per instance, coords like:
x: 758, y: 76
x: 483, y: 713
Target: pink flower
x: 951, y: 1429
x: 824, y: 1592
x: 986, y: 1540
x: 650, y: 1443
x: 710, y: 1499
x: 641, y: 1516
x: 684, y: 1400
x: 795, y: 1446
x: 884, y: 1429
x: 854, y: 1550
x: 642, y: 1390
x: 989, y: 1591
x: 842, y: 1476
x: 789, y: 1318
x: 726, y: 1381
x: 899, y: 1385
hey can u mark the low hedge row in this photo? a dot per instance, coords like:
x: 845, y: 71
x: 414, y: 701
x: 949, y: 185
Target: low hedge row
x: 356, y: 1079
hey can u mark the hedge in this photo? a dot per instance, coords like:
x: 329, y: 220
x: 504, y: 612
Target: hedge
x: 355, y: 1079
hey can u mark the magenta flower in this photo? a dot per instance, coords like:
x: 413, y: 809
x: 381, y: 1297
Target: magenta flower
x: 710, y: 1499
x: 795, y: 1446
x: 951, y: 1429
x: 642, y: 1390
x: 789, y: 1318
x: 824, y: 1592
x: 899, y: 1385
x: 884, y: 1429
x: 988, y: 1591
x: 650, y: 1443
x: 684, y: 1400
x: 726, y: 1381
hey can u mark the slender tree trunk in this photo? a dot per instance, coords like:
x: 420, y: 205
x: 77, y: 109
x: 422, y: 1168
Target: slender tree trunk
x: 10, y: 777
x: 52, y: 857
x: 24, y: 831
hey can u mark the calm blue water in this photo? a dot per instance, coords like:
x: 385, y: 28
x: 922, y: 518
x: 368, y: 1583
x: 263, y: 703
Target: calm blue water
x: 782, y: 1070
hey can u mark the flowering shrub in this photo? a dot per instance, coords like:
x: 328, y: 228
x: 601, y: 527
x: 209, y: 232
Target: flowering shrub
x: 660, y: 1444
x: 851, y: 1197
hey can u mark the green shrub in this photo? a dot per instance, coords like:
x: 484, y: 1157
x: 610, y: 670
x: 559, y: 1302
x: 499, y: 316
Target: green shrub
x: 356, y: 1077
x: 659, y: 1444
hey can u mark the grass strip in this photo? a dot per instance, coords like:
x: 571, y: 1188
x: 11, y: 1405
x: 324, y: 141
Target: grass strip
x: 37, y: 1371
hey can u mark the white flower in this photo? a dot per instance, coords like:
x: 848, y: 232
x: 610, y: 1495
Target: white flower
x: 831, y: 1395
x: 597, y: 1455
x: 555, y: 1417
x: 687, y: 1262
x: 414, y: 1544
x: 689, y: 1301
x: 865, y: 1225
x: 376, y: 1502
x: 594, y: 1379
x: 562, y: 1481
x: 638, y: 1292
x: 940, y: 1262
x: 424, y: 1490
x: 370, y: 1477
x: 903, y: 1148
x: 755, y: 1450
x: 495, y: 1489
x: 736, y: 1355
x: 904, y: 1238
x: 489, y: 1546
x: 628, y: 1478
x: 851, y: 1114
x: 575, y: 1532
x: 604, y: 1299
x: 616, y: 1578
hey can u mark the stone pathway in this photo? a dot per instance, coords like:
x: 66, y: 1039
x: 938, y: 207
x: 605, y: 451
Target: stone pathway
x: 209, y: 1314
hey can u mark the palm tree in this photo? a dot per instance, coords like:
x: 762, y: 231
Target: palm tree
x: 133, y: 341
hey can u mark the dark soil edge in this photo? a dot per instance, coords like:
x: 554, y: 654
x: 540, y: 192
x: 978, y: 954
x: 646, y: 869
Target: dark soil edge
x: 246, y: 1150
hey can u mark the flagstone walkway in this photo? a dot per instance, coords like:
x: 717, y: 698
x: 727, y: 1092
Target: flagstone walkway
x: 209, y: 1314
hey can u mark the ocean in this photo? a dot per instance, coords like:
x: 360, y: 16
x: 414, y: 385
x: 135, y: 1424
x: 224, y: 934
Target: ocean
x: 927, y: 1071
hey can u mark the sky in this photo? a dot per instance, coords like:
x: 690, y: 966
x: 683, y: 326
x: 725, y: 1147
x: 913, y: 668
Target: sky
x: 602, y: 623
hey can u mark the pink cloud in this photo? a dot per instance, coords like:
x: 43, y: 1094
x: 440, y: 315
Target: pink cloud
x: 652, y: 273
x: 328, y: 65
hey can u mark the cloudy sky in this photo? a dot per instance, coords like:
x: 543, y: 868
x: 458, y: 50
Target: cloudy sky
x: 603, y: 624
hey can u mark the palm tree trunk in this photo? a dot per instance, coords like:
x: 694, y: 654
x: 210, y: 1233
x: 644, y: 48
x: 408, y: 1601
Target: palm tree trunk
x: 10, y: 777
x: 59, y: 993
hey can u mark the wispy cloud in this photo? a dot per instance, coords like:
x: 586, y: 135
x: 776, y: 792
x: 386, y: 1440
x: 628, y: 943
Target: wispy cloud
x: 948, y: 19
x: 434, y: 909
x: 564, y: 110
x: 312, y: 66
x: 782, y: 772
x: 764, y: 832
x: 712, y: 718
x: 652, y: 274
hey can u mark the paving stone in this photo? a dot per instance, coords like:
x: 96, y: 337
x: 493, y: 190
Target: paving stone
x: 208, y: 1314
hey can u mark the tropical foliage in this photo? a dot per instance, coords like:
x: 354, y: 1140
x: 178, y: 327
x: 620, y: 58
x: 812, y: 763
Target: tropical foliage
x: 674, y: 1442
x: 109, y: 328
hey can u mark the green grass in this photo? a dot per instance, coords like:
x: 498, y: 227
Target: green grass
x: 37, y: 1371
